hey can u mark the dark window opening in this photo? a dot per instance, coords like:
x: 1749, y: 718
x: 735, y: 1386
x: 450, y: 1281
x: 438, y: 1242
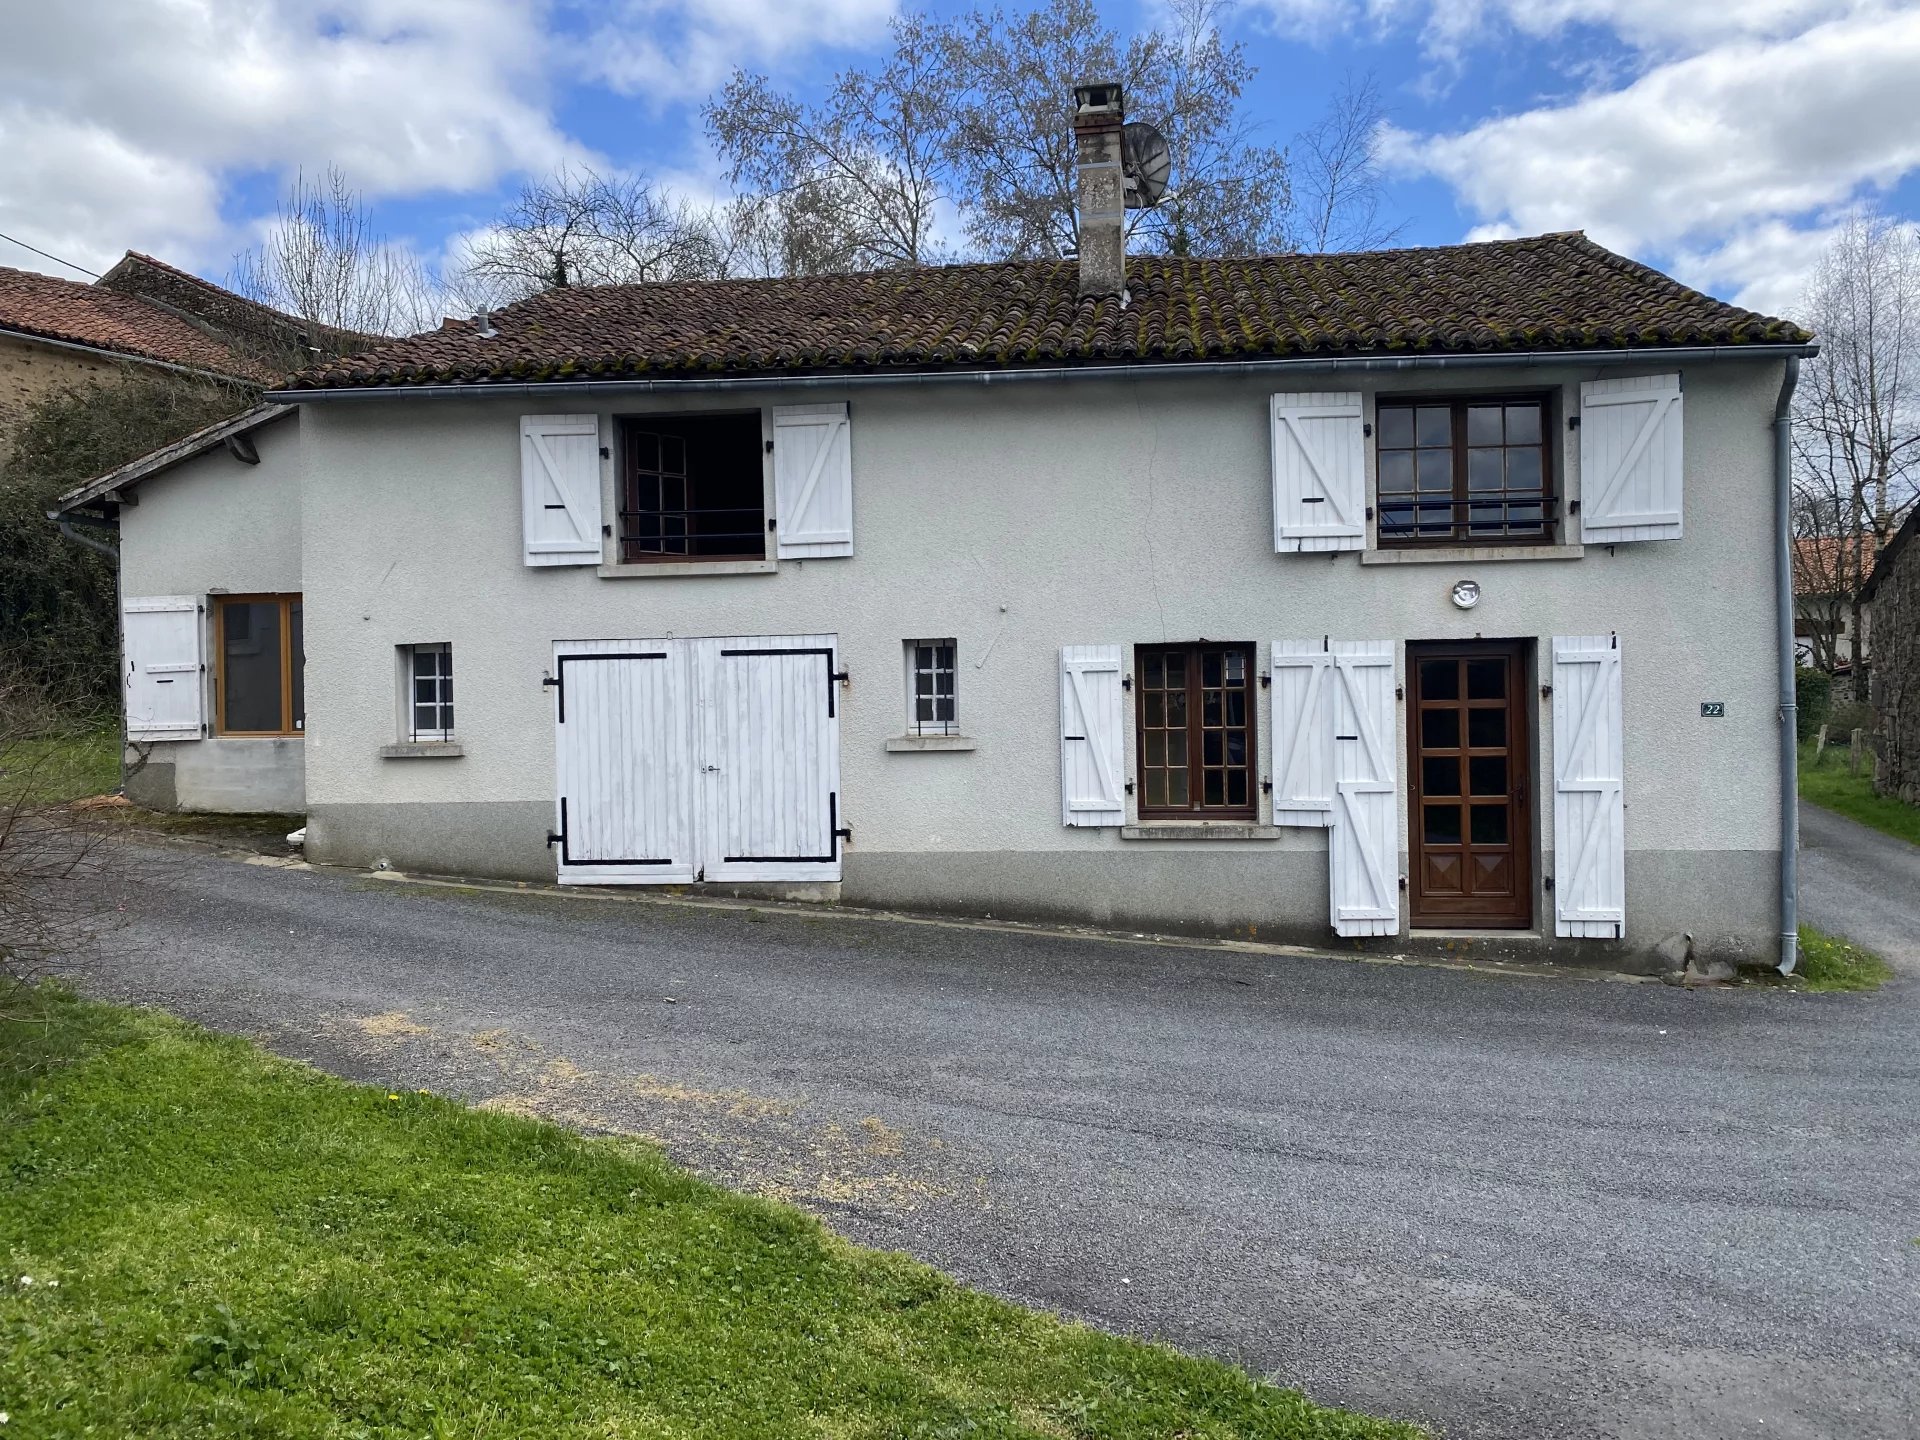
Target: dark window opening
x: 260, y: 683
x: 1196, y: 730
x: 693, y: 488
x: 1465, y: 471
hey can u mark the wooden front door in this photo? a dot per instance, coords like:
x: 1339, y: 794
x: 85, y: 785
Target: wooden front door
x: 1471, y: 786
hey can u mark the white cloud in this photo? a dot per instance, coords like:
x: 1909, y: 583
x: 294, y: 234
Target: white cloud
x: 122, y: 120
x: 1764, y: 267
x: 1668, y: 26
x: 673, y: 50
x: 1710, y: 155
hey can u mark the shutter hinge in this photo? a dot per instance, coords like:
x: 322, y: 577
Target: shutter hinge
x: 1399, y: 692
x: 1546, y: 883
x: 1266, y: 787
x: 550, y: 680
x: 605, y: 453
x: 845, y: 677
x: 1266, y: 680
x: 1126, y: 682
x: 1129, y: 787
x: 771, y: 522
x: 1573, y: 507
x: 1369, y: 512
x: 606, y: 530
x: 1573, y: 422
x: 769, y: 447
x: 845, y: 832
x: 1546, y: 692
x: 1403, y: 882
x: 554, y: 838
x: 1367, y: 429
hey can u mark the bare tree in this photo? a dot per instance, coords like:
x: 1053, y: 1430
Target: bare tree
x: 324, y: 262
x: 1856, y: 420
x: 1337, y: 177
x: 579, y: 227
x: 862, y: 173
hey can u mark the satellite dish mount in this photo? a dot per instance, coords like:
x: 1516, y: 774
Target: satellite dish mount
x: 1145, y: 164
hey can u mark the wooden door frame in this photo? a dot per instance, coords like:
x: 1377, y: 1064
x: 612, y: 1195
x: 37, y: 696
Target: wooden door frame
x: 1522, y: 786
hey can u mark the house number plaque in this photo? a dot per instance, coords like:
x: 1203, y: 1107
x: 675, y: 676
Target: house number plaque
x: 1713, y: 709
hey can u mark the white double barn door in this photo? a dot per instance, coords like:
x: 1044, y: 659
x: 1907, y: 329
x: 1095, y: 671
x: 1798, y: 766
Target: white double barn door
x: 698, y: 759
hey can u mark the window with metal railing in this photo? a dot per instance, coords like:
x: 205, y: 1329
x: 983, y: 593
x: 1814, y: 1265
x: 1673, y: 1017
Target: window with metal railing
x: 933, y: 707
x: 429, y: 692
x: 693, y: 488
x: 1472, y: 471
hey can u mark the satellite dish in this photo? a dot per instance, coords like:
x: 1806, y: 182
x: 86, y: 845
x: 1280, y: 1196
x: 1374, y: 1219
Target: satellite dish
x: 1145, y: 162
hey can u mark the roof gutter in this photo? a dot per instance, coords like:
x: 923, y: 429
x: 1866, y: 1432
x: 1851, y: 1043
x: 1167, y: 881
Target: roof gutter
x: 1789, y: 670
x: 1302, y: 365
x: 127, y: 357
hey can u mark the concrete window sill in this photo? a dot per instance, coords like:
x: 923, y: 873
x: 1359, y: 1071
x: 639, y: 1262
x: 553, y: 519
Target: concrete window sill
x: 915, y: 744
x: 423, y: 750
x: 1470, y: 554
x: 1197, y: 830
x: 671, y: 569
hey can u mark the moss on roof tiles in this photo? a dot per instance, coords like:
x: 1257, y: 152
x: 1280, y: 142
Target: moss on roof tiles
x: 1545, y: 293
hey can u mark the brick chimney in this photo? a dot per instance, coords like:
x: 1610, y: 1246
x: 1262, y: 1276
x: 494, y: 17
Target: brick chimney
x: 1098, y: 114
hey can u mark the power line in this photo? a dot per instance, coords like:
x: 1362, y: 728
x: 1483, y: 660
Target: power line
x: 50, y: 256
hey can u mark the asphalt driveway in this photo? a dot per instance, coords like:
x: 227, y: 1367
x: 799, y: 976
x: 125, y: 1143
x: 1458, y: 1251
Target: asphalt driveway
x: 1505, y: 1206
x: 1861, y: 884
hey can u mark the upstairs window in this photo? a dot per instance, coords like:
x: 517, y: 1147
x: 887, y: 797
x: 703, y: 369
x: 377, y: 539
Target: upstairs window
x: 693, y: 488
x: 1196, y: 731
x: 932, y: 705
x: 1464, y: 472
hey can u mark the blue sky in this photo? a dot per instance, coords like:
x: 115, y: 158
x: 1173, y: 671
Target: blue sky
x: 1718, y: 139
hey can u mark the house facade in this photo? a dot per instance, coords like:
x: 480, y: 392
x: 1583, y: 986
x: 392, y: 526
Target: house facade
x: 1402, y: 598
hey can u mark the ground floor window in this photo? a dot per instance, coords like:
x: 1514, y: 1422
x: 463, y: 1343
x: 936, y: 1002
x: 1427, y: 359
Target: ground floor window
x: 429, y: 691
x: 1196, y: 731
x: 259, y: 688
x: 932, y: 705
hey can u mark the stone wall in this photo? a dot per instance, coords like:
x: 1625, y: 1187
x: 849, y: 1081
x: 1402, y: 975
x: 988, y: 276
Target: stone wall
x: 1896, y: 673
x: 30, y: 372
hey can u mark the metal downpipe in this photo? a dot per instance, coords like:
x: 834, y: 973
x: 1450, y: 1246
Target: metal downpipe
x: 1789, y: 669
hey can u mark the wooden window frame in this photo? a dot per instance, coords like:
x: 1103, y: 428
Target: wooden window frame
x: 286, y: 602
x: 626, y: 497
x: 1459, y: 534
x: 915, y: 725
x: 1196, y: 809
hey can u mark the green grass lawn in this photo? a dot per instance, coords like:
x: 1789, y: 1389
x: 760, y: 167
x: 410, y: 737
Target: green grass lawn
x: 1830, y: 963
x: 1827, y: 782
x: 221, y: 1243
x: 53, y: 769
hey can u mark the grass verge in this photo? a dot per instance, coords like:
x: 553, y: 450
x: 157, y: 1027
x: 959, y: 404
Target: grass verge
x: 1827, y: 782
x: 53, y: 769
x: 223, y: 1243
x: 1830, y: 963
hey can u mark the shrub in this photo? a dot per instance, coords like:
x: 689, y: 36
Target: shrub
x: 58, y: 629
x: 1813, y: 694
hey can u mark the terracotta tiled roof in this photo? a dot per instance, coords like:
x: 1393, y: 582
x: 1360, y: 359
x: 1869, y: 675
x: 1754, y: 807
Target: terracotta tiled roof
x: 1554, y: 292
x: 54, y: 309
x: 258, y: 328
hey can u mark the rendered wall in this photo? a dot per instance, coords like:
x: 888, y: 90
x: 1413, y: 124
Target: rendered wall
x: 1018, y: 518
x: 209, y: 526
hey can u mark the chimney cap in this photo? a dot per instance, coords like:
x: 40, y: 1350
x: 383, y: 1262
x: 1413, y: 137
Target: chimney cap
x: 1097, y: 95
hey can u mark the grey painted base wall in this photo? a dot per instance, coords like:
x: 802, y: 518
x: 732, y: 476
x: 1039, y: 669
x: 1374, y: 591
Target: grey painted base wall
x: 219, y: 776
x: 1725, y: 899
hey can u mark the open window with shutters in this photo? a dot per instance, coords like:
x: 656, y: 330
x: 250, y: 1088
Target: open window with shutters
x: 1472, y: 470
x: 259, y: 685
x: 692, y: 489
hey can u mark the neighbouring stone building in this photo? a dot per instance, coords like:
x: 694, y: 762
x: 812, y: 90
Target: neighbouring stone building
x: 1892, y: 600
x: 144, y: 314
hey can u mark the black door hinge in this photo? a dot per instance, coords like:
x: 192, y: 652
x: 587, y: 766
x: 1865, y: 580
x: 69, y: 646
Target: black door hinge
x: 1129, y: 787
x: 1266, y: 787
x: 555, y: 839
x: 845, y: 832
x: 605, y: 453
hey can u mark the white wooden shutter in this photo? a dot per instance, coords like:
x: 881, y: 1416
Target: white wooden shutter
x: 623, y: 715
x: 560, y: 489
x: 770, y: 757
x: 1319, y: 473
x: 812, y: 480
x: 1363, y: 852
x: 161, y: 667
x: 1302, y: 733
x: 1630, y: 459
x: 1589, y: 803
x: 1092, y: 736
